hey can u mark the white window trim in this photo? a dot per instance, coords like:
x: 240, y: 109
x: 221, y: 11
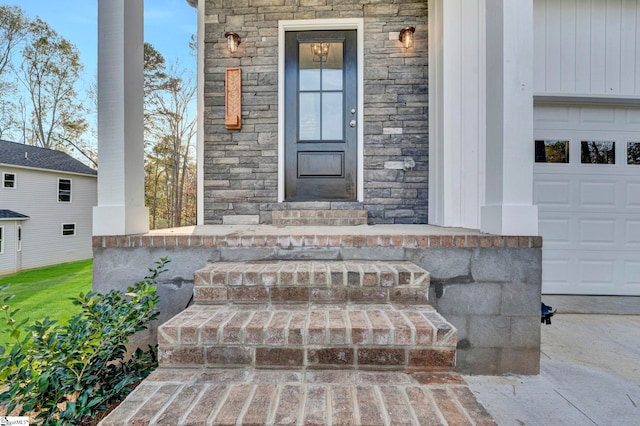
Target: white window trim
x: 1, y: 239
x: 19, y: 238
x: 62, y: 225
x: 70, y: 191
x: 15, y: 180
x: 311, y: 25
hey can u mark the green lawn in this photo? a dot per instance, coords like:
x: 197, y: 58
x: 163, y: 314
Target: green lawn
x: 45, y: 292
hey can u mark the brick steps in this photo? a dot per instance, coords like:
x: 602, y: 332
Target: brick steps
x: 279, y: 397
x: 305, y: 342
x: 409, y: 337
x: 312, y: 282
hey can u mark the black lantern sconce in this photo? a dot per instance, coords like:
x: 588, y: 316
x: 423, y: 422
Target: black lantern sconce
x: 406, y: 36
x: 233, y: 40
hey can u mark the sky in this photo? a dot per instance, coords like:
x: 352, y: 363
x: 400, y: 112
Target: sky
x: 168, y: 26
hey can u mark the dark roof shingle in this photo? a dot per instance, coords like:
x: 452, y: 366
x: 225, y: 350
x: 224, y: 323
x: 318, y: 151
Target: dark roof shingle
x: 10, y: 214
x: 22, y: 155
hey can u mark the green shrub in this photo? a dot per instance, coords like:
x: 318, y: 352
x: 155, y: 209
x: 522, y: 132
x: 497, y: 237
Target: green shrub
x: 68, y: 374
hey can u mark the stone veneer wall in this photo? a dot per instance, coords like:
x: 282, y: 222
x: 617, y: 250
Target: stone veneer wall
x: 241, y: 166
x: 487, y: 286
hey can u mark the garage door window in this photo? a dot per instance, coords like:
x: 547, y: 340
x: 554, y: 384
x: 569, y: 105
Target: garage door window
x: 597, y: 152
x: 633, y: 152
x: 552, y: 151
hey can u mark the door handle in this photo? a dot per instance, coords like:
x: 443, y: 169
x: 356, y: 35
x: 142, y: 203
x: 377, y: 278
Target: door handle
x: 352, y: 123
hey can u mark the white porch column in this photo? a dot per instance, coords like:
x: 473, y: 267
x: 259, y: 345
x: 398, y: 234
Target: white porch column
x: 120, y: 209
x: 456, y: 112
x: 199, y: 5
x: 508, y: 208
x: 481, y: 115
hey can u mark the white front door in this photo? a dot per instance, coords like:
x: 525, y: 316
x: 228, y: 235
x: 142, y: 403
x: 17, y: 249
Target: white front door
x: 587, y: 188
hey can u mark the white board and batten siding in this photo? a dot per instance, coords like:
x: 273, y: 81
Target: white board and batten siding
x: 587, y: 47
x: 587, y: 88
x: 36, y: 195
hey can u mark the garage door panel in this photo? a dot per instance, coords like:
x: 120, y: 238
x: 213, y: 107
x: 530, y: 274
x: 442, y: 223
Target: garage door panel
x: 551, y: 193
x: 596, y: 194
x: 597, y: 115
x: 632, y: 195
x: 557, y: 231
x: 580, y: 231
x: 581, y: 192
x: 557, y: 272
x: 589, y: 214
x: 555, y: 115
x: 632, y: 233
x: 633, y: 117
x: 632, y: 274
x: 583, y: 272
x: 596, y: 272
x: 597, y: 232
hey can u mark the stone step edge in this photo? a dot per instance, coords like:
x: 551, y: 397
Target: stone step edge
x: 347, y: 325
x: 308, y: 273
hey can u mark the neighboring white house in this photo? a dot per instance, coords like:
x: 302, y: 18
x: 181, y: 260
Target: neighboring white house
x: 46, y: 199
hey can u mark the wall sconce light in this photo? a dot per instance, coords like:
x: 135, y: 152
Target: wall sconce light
x: 233, y: 40
x: 406, y: 36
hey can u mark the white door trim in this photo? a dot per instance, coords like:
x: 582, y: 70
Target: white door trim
x: 313, y: 25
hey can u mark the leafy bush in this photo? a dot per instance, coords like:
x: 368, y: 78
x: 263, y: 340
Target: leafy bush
x: 68, y: 374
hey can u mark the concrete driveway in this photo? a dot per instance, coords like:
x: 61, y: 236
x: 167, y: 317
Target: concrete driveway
x: 590, y: 369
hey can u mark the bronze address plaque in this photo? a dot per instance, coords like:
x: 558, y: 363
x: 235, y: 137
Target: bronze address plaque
x: 233, y: 99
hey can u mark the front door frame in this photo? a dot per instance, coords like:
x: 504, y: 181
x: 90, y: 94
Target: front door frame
x: 318, y: 25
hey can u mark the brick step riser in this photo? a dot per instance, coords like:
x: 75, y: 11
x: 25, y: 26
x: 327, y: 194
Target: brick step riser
x: 414, y: 358
x: 359, y: 295
x: 315, y: 282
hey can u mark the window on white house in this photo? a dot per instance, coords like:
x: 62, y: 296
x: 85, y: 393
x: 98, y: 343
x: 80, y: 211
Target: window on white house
x: 68, y: 229
x: 64, y: 190
x: 19, y: 242
x: 1, y: 240
x: 9, y: 180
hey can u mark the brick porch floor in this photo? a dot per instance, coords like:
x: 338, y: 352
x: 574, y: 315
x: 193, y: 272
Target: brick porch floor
x: 201, y: 396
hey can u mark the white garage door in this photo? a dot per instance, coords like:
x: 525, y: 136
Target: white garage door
x: 587, y: 188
